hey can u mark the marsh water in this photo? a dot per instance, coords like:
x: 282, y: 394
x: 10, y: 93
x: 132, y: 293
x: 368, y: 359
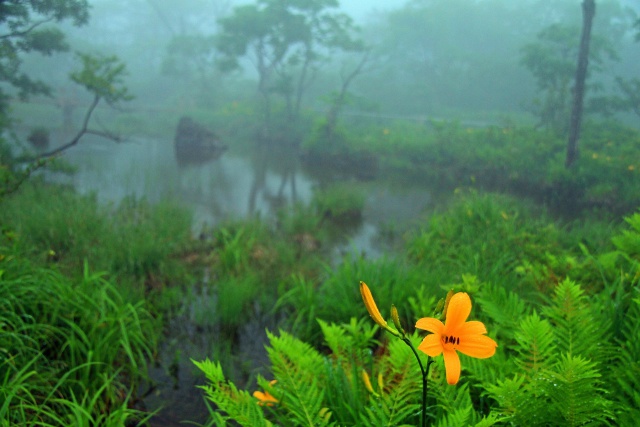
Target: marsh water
x: 237, y: 184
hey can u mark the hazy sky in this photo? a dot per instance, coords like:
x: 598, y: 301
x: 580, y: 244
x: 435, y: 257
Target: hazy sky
x: 359, y: 9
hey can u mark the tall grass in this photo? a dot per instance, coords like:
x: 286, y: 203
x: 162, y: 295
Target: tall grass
x: 136, y: 242
x: 72, y: 353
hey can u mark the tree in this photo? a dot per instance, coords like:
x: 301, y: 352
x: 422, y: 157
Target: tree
x: 339, y: 99
x: 588, y: 11
x: 628, y: 98
x: 102, y: 76
x: 287, y: 41
x: 552, y: 59
x: 27, y: 31
x: 191, y: 60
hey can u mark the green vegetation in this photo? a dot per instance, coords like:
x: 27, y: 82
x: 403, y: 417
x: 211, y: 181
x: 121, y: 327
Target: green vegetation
x: 562, y: 303
x: 72, y: 351
x: 517, y: 159
x: 532, y: 279
x: 550, y: 255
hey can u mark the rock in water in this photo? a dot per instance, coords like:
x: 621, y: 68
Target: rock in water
x: 196, y: 144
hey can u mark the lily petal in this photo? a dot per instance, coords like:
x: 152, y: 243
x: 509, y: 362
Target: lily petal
x: 431, y: 345
x: 458, y: 310
x: 480, y: 346
x: 472, y: 327
x: 430, y: 324
x: 452, y: 366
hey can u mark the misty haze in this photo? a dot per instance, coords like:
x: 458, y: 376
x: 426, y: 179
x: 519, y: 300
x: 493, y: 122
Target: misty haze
x: 319, y: 212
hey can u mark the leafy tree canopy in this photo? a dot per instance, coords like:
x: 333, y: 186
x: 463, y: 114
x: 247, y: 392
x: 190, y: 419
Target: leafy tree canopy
x: 103, y: 77
x: 25, y: 30
x: 283, y: 32
x: 287, y: 41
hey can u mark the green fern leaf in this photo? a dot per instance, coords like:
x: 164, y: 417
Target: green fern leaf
x: 536, y: 346
x: 575, y: 392
x: 503, y: 307
x: 298, y: 368
x: 236, y: 405
x: 626, y: 373
x: 579, y: 329
x: 401, y: 387
x: 507, y: 393
x: 490, y: 420
x: 459, y: 417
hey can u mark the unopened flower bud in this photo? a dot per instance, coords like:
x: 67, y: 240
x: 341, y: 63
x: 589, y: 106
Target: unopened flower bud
x: 396, y: 319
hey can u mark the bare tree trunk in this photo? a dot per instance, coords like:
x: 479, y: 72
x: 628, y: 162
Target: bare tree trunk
x: 588, y: 12
x: 332, y: 115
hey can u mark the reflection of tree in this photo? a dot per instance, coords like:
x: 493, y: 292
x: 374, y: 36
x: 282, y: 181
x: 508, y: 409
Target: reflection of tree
x: 259, y: 176
x: 289, y: 176
x: 207, y: 185
x: 281, y: 160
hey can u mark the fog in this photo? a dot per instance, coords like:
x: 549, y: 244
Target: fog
x: 435, y: 58
x: 355, y: 121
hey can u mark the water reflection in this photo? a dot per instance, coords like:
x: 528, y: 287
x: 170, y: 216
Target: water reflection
x: 229, y: 187
x: 237, y: 185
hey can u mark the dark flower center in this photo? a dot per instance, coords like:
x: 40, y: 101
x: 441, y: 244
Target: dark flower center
x: 450, y: 339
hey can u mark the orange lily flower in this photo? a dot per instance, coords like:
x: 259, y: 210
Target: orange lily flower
x: 456, y: 334
x: 265, y: 398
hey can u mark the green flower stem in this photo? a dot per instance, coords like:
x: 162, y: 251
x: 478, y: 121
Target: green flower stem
x: 425, y: 379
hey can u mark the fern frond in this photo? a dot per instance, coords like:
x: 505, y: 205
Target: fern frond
x: 298, y: 368
x: 399, y: 401
x: 347, y: 339
x: 459, y: 417
x: 490, y: 420
x: 507, y: 393
x: 578, y: 328
x: 503, y: 307
x: 626, y: 373
x: 576, y: 394
x: 628, y: 241
x: 232, y: 404
x: 535, y: 344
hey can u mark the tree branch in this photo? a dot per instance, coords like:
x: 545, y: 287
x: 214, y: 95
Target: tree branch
x: 27, y: 31
x: 80, y: 133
